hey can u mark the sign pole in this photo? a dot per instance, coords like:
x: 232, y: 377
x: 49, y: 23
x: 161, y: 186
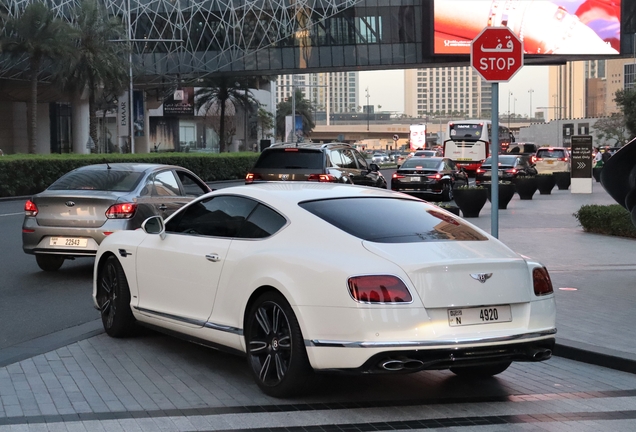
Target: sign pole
x: 494, y: 170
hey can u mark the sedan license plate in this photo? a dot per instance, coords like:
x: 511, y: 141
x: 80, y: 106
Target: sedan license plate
x: 550, y: 162
x: 68, y: 242
x: 479, y: 315
x: 415, y: 179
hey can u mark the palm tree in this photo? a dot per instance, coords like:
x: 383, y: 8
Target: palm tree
x: 220, y: 92
x: 304, y: 108
x: 98, y: 65
x: 42, y: 39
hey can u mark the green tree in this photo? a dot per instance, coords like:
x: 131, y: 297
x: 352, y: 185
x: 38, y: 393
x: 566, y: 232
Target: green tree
x: 265, y: 121
x: 43, y: 40
x: 611, y: 128
x: 220, y: 94
x: 626, y: 100
x: 98, y: 65
x: 304, y: 109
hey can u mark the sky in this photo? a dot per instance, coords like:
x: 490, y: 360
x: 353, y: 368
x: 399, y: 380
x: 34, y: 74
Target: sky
x: 386, y: 88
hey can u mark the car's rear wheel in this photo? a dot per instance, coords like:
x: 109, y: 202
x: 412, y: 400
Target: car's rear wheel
x: 275, y: 347
x: 113, y: 299
x: 482, y: 371
x: 49, y: 263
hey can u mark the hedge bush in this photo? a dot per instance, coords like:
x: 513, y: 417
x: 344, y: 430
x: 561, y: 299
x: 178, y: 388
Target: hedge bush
x: 29, y: 174
x: 609, y: 219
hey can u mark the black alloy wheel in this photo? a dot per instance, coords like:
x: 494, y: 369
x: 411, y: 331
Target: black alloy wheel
x: 482, y: 371
x: 275, y: 347
x: 49, y: 263
x: 447, y: 192
x: 113, y: 299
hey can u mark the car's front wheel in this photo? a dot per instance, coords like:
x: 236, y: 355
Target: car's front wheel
x: 275, y: 347
x: 447, y: 192
x: 482, y: 371
x: 113, y: 299
x: 49, y: 263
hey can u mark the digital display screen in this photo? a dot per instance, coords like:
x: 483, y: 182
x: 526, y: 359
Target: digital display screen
x: 561, y: 27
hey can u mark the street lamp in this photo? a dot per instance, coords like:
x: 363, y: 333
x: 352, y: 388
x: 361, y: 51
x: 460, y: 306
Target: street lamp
x: 509, y: 94
x: 531, y: 91
x: 368, y: 110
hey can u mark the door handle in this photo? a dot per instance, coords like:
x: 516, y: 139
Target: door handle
x: 213, y: 257
x: 163, y: 207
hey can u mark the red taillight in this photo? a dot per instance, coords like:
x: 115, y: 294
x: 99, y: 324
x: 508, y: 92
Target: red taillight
x: 541, y: 281
x: 511, y: 171
x: 534, y: 159
x: 435, y: 177
x: 480, y: 171
x: 121, y: 211
x: 251, y: 178
x: 30, y: 209
x: 379, y: 289
x: 291, y: 149
x: 397, y: 176
x: 24, y: 230
x: 322, y: 178
x: 563, y: 159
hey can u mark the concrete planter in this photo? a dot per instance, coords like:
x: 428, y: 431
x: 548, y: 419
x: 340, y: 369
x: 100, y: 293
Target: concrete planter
x: 471, y: 200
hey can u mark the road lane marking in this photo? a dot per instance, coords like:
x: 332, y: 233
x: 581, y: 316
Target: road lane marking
x: 12, y: 214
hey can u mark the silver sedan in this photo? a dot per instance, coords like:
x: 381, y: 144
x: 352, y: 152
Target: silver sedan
x: 72, y: 217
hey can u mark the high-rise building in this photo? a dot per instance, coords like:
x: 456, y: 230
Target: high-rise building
x: 457, y: 91
x: 340, y: 89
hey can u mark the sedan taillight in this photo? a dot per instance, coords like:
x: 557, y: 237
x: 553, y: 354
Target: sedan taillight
x: 541, y: 281
x: 121, y: 211
x: 511, y: 171
x: 397, y: 176
x: 379, y: 289
x: 30, y: 209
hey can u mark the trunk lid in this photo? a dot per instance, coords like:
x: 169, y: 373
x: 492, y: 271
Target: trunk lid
x: 77, y: 209
x: 441, y: 271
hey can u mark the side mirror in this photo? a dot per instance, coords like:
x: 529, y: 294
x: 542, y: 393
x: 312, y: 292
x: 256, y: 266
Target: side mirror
x: 374, y: 167
x: 154, y: 225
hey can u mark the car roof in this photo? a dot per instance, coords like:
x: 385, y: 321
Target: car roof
x: 126, y: 166
x: 307, y: 145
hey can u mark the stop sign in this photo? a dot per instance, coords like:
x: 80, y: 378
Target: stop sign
x: 496, y: 54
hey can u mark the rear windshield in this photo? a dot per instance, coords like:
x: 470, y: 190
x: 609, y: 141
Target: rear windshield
x: 421, y: 162
x: 102, y: 180
x: 467, y: 131
x: 413, y: 221
x: 551, y: 153
x: 290, y: 159
x: 503, y: 160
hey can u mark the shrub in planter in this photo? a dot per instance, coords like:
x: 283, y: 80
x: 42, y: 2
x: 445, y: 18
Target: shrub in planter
x: 448, y: 207
x: 562, y: 179
x: 526, y: 186
x: 471, y: 199
x: 545, y: 183
x: 506, y: 193
x: 606, y: 219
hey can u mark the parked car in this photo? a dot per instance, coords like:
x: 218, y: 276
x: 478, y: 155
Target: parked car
x: 425, y: 153
x: 551, y: 159
x: 332, y: 163
x: 525, y: 149
x: 510, y: 167
x: 298, y: 281
x: 425, y: 176
x: 74, y: 215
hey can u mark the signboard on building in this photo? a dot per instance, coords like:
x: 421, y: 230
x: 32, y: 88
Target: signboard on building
x: 180, y: 103
x: 417, y: 136
x: 123, y: 115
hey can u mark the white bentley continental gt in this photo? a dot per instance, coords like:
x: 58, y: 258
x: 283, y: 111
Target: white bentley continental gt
x: 313, y: 277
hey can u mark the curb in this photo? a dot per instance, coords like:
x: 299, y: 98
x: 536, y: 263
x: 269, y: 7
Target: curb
x: 591, y: 354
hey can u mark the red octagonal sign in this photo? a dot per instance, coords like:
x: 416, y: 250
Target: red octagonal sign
x: 496, y: 54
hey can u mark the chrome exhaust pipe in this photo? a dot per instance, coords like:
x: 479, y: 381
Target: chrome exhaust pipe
x: 542, y: 354
x: 395, y: 365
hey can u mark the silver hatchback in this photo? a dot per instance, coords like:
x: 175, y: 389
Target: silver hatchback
x: 72, y: 217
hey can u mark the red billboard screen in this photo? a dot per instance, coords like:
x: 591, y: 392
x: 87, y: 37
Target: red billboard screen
x: 562, y: 27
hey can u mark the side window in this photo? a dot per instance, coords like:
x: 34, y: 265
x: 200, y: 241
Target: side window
x: 362, y: 162
x: 263, y: 222
x: 190, y: 185
x: 347, y: 159
x: 165, y: 184
x: 220, y: 216
x: 335, y: 157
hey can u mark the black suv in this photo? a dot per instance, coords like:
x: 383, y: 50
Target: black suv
x: 332, y: 162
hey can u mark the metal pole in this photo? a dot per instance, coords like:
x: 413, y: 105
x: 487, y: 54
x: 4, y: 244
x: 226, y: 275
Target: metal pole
x: 494, y: 188
x: 368, y: 109
x: 131, y: 120
x: 293, y: 87
x: 531, y: 91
